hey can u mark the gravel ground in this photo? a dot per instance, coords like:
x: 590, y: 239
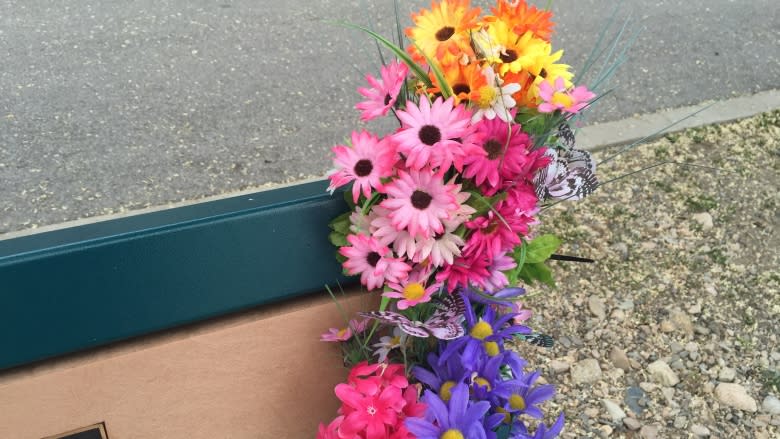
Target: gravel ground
x: 671, y: 334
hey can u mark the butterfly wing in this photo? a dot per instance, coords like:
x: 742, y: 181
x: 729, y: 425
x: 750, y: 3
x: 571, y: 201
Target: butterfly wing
x: 565, y: 135
x: 393, y: 318
x: 538, y: 339
x: 570, y: 177
x: 446, y: 322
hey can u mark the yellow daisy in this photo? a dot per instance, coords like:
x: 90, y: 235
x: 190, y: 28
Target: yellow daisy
x: 509, y: 51
x: 442, y: 32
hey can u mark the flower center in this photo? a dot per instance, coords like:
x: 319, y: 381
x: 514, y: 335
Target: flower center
x: 421, y: 200
x: 517, y: 402
x: 491, y: 348
x: 494, y: 149
x: 388, y: 98
x: 461, y: 88
x: 445, y: 391
x: 363, y: 167
x: 429, y: 135
x: 482, y: 382
x: 395, y: 341
x: 414, y: 291
x: 372, y: 258
x: 508, y: 56
x: 543, y: 73
x: 481, y: 330
x: 507, y: 416
x: 341, y: 332
x: 452, y: 433
x: 487, y: 95
x: 445, y: 33
x: 371, y: 410
x: 562, y: 99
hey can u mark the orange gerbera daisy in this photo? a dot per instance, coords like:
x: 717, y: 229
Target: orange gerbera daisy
x: 465, y: 82
x: 442, y: 32
x: 522, y: 18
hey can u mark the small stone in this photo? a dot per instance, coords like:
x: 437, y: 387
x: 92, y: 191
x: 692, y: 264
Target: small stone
x: 699, y: 430
x: 663, y: 374
x: 727, y: 375
x: 618, y: 314
x: 606, y: 430
x: 682, y: 322
x: 704, y: 219
x: 680, y: 422
x: 649, y: 432
x: 635, y: 397
x: 771, y: 405
x: 631, y: 423
x: 666, y: 326
x: 597, y: 307
x: 565, y: 342
x: 675, y: 347
x: 591, y: 412
x: 648, y: 387
x: 559, y: 366
x: 694, y: 309
x: 621, y: 249
x: 619, y: 359
x: 734, y: 395
x: 585, y: 371
x: 613, y: 410
x: 692, y: 347
x: 626, y: 305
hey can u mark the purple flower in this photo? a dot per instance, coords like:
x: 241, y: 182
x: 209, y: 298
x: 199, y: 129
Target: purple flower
x: 542, y: 431
x: 486, y: 334
x: 442, y: 377
x: 520, y: 395
x: 458, y: 418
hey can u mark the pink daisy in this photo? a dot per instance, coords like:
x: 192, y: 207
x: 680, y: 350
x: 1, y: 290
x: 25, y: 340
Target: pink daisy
x: 418, y: 201
x: 384, y: 93
x: 366, y: 163
x: 465, y: 270
x: 493, y: 233
x: 373, y: 261
x: 497, y: 279
x: 344, y: 334
x: 504, y: 153
x: 412, y: 290
x: 560, y: 97
x: 442, y: 248
x: 403, y: 243
x: 429, y: 133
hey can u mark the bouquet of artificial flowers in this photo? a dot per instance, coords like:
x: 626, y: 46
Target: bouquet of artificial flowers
x: 441, y: 220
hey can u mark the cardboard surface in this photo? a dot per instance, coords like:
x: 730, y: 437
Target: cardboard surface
x: 261, y: 375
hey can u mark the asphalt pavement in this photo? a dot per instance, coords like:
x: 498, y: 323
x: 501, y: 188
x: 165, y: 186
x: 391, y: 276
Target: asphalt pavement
x: 110, y: 106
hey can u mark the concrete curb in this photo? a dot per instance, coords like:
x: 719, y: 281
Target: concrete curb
x: 593, y: 138
x: 626, y: 131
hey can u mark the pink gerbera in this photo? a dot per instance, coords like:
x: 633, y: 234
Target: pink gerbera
x: 373, y: 261
x: 384, y: 93
x: 403, y: 243
x: 465, y: 270
x: 504, y: 151
x: 497, y: 279
x: 418, y: 201
x: 366, y: 163
x: 493, y: 233
x: 560, y: 97
x: 429, y: 133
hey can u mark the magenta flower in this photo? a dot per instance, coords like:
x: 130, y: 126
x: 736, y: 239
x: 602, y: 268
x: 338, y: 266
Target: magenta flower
x: 343, y: 334
x: 384, y: 93
x: 331, y: 430
x: 418, y: 201
x: 366, y: 163
x: 369, y: 414
x: 497, y: 280
x: 373, y: 261
x: 560, y: 97
x: 493, y: 233
x: 429, y: 133
x: 468, y: 269
x: 504, y: 151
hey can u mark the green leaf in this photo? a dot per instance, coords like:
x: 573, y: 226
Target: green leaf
x: 483, y: 204
x: 338, y: 239
x: 536, y: 272
x: 444, y: 87
x: 541, y: 248
x: 341, y: 223
x: 400, y: 53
